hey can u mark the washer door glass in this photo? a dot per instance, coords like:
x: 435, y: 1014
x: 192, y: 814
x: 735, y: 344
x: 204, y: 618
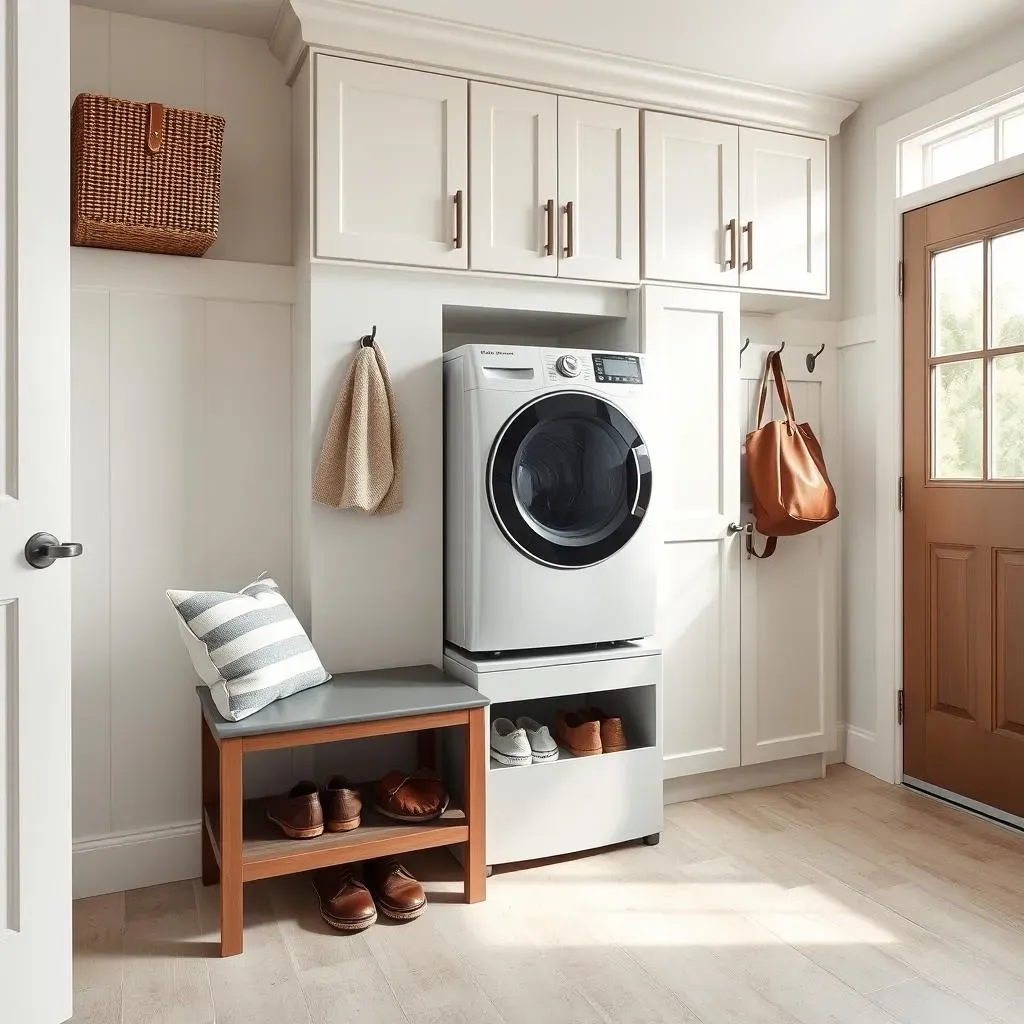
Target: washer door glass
x: 569, y: 480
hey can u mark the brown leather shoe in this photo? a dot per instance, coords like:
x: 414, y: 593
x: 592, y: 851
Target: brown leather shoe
x: 613, y: 735
x: 298, y: 813
x: 413, y: 798
x: 345, y: 902
x: 397, y: 893
x: 579, y: 735
x: 342, y: 805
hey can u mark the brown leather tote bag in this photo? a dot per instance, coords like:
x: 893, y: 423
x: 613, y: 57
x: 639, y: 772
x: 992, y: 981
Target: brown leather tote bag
x: 788, y: 479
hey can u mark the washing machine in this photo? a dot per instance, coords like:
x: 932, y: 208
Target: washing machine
x: 549, y: 539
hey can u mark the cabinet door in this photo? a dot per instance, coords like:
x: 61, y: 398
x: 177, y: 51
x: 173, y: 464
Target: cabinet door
x: 599, y: 190
x: 513, y: 178
x: 391, y: 154
x: 692, y: 339
x: 783, y: 212
x: 789, y: 601
x: 691, y: 200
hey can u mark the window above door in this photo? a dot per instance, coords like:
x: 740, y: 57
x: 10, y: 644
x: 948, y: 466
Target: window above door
x: 966, y: 143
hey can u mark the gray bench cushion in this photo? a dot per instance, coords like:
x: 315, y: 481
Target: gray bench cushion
x: 352, y: 697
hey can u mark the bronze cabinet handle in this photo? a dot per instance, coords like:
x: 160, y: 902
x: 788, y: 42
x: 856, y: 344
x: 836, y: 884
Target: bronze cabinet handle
x: 730, y: 230
x: 748, y: 230
x: 458, y: 219
x: 570, y: 246
x: 549, y: 210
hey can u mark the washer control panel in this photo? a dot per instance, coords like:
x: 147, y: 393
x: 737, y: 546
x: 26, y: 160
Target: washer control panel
x: 620, y: 368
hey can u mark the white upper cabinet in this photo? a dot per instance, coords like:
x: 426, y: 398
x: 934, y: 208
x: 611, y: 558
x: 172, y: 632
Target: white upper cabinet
x: 783, y: 212
x: 391, y: 164
x: 734, y: 206
x: 691, y: 200
x: 513, y: 179
x: 599, y: 190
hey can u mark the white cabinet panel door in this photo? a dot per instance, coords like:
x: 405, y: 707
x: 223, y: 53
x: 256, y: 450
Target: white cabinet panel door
x: 599, y: 190
x: 391, y: 164
x: 691, y: 200
x: 789, y: 601
x: 692, y: 341
x: 692, y: 338
x: 699, y: 632
x: 513, y: 177
x: 35, y: 496
x: 783, y: 212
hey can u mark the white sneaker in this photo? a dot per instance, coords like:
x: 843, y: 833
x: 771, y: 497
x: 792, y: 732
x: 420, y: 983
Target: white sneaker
x: 542, y: 746
x: 509, y: 744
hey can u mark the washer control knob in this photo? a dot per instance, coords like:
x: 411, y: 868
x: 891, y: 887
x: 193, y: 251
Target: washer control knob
x: 569, y: 366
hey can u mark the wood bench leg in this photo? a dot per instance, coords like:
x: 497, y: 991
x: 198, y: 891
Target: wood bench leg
x: 230, y: 847
x: 475, y: 884
x: 211, y: 798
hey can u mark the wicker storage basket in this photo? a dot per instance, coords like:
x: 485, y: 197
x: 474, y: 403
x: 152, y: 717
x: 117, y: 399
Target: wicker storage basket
x: 144, y: 177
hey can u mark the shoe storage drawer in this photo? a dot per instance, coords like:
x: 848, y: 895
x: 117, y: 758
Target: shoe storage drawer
x: 573, y: 804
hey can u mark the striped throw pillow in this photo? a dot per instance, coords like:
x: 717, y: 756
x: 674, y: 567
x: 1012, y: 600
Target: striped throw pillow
x: 247, y: 647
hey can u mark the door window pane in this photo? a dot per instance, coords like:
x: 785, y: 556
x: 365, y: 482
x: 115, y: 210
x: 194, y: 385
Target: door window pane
x: 1008, y: 417
x: 957, y: 416
x: 1008, y: 289
x: 1013, y: 136
x: 958, y: 277
x: 961, y: 154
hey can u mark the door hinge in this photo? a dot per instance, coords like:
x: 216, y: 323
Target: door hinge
x: 899, y: 280
x: 900, y: 494
x: 899, y: 707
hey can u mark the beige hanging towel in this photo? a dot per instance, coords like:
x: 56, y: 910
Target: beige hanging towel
x: 360, y: 463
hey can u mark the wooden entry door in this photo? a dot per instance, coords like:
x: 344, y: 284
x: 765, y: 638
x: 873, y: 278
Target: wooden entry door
x: 963, y: 596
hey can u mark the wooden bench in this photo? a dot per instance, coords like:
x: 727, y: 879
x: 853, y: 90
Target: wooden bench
x: 240, y: 845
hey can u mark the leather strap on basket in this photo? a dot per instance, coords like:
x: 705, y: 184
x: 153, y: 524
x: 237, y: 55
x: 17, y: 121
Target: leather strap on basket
x: 155, y: 134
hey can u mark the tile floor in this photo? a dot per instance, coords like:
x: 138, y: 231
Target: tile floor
x: 843, y: 901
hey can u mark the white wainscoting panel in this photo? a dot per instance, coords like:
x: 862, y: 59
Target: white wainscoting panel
x: 181, y: 425
x: 235, y: 76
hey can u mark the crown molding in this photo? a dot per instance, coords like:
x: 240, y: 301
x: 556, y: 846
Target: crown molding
x: 375, y: 33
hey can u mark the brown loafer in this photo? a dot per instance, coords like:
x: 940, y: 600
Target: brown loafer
x: 613, y: 735
x: 345, y: 902
x: 398, y: 894
x: 412, y: 798
x: 342, y: 805
x: 579, y: 735
x: 298, y: 813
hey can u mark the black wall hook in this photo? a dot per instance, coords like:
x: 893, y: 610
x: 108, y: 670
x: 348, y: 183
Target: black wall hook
x: 778, y: 351
x: 812, y: 359
x: 367, y: 340
x: 746, y: 345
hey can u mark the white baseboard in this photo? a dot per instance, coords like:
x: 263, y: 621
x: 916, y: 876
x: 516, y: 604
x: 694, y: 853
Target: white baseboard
x: 131, y: 860
x: 735, y: 780
x: 838, y: 756
x: 862, y: 752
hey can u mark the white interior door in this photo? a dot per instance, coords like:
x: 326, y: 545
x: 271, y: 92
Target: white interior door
x: 783, y: 212
x: 35, y: 628
x: 692, y: 340
x: 513, y: 178
x: 391, y: 164
x: 691, y: 200
x: 789, y: 601
x: 599, y: 190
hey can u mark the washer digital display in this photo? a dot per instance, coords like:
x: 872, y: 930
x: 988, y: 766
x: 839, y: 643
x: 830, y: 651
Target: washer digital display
x: 617, y: 369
